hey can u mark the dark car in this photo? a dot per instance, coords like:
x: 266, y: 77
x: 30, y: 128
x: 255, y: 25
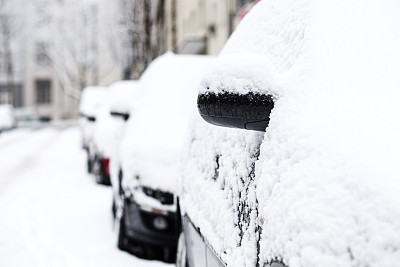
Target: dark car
x: 146, y: 208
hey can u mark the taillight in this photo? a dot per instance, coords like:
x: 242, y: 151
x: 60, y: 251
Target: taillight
x: 106, y: 166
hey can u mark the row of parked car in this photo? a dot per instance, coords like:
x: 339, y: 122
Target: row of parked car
x: 304, y: 171
x: 134, y: 132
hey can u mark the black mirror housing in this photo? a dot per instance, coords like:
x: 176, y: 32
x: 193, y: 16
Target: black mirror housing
x: 91, y: 118
x: 249, y: 111
x: 124, y: 115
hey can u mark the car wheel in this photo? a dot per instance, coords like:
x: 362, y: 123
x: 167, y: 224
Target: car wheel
x: 121, y: 238
x: 181, y: 257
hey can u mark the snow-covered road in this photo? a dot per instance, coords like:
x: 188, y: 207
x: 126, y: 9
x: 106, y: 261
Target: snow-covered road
x: 51, y: 212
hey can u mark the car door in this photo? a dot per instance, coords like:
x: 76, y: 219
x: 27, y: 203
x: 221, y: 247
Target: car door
x: 219, y: 196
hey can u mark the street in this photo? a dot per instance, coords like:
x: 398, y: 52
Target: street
x: 51, y: 211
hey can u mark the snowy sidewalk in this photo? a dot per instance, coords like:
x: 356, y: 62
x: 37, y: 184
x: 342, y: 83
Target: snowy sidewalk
x: 51, y: 212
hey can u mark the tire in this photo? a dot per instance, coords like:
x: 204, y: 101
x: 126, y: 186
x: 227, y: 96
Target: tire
x: 181, y: 257
x: 122, y: 239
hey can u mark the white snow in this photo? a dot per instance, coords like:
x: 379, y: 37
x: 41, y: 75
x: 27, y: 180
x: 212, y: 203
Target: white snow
x: 156, y: 132
x: 90, y: 100
x: 89, y: 105
x: 123, y: 97
x: 52, y: 214
x: 241, y: 73
x: 327, y: 178
x: 7, y: 120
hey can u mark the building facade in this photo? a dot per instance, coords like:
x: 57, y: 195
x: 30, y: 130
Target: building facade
x: 66, y: 51
x: 203, y: 26
x: 60, y: 47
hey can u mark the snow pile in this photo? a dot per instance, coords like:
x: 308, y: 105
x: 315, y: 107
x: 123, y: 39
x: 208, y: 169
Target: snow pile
x: 122, y: 97
x: 326, y: 183
x: 155, y: 134
x: 329, y: 160
x: 241, y: 73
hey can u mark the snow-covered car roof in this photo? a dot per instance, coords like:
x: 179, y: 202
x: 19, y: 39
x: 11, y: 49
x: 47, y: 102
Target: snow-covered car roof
x: 91, y: 99
x: 328, y: 172
x: 156, y: 132
x: 122, y: 97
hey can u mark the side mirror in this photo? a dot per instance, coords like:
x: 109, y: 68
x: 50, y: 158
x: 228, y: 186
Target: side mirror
x: 91, y: 118
x: 123, y: 115
x: 87, y: 117
x: 239, y: 91
x: 245, y: 111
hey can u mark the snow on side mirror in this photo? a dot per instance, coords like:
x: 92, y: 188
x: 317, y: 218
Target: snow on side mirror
x: 123, y: 115
x: 245, y: 111
x: 239, y: 92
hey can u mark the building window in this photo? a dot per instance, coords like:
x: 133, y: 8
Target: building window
x: 42, y: 58
x: 43, y: 91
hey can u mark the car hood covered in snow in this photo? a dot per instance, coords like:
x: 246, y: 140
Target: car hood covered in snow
x: 326, y: 182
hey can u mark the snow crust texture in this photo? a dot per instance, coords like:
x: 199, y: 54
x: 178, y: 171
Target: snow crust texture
x: 321, y: 187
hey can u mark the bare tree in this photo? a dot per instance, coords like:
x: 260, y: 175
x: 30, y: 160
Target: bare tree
x: 10, y: 34
x: 73, y: 54
x: 138, y: 32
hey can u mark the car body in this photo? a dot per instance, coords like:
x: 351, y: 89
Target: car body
x: 119, y: 101
x: 90, y: 102
x: 320, y: 187
x: 147, y: 221
x: 7, y: 118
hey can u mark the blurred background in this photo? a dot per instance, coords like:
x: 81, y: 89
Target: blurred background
x: 51, y: 49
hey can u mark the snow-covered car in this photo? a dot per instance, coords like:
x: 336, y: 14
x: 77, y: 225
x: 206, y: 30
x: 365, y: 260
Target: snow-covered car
x: 147, y: 222
x: 120, y: 99
x: 320, y: 187
x: 7, y: 119
x: 90, y: 102
x: 27, y: 117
